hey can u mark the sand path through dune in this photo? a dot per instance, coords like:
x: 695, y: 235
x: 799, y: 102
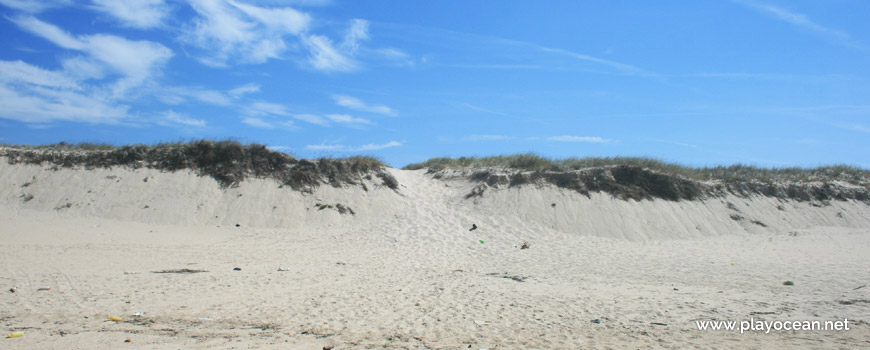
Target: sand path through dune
x: 405, y: 272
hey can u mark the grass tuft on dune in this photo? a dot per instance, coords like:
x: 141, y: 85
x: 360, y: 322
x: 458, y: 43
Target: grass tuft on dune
x: 228, y: 162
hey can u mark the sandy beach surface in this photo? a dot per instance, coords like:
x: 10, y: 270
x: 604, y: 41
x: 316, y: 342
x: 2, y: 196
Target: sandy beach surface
x: 405, y: 272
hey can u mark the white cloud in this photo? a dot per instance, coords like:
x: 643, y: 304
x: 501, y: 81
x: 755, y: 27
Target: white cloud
x: 178, y: 94
x: 279, y: 148
x: 257, y: 122
x: 244, y: 89
x: 311, y: 118
x: 136, y: 61
x: 803, y: 21
x: 229, y: 29
x: 346, y: 119
x: 176, y: 118
x: 142, y: 14
x: 279, y: 20
x: 325, y: 147
x: 266, y: 108
x: 358, y: 31
x: 568, y: 138
x: 357, y: 104
x: 20, y: 72
x: 323, y: 56
x: 50, y: 32
x: 83, y: 68
x: 343, y: 148
x: 33, y: 95
x: 393, y: 53
x: 35, y: 6
x: 375, y: 147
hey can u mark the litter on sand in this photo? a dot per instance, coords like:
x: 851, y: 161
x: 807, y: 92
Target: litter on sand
x: 115, y: 318
x: 15, y: 335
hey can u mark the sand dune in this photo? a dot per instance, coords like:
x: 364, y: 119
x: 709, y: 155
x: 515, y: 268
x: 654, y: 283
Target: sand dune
x: 403, y: 271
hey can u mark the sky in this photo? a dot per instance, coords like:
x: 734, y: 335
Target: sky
x: 770, y: 83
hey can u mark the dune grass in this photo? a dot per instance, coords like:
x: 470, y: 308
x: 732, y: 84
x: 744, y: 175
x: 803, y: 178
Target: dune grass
x: 227, y: 161
x: 727, y: 174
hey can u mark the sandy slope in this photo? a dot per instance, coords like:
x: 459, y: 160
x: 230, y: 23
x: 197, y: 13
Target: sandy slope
x: 405, y: 272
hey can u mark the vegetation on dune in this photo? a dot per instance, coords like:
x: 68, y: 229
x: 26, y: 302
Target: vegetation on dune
x: 639, y: 178
x: 228, y: 162
x: 737, y: 172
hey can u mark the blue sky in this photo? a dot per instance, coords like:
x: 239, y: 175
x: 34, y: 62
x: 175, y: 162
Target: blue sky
x: 770, y: 83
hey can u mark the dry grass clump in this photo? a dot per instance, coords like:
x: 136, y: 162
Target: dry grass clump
x: 639, y: 178
x: 731, y: 173
x: 228, y: 162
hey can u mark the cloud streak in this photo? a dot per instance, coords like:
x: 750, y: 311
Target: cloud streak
x: 357, y: 104
x: 140, y: 14
x: 586, y: 139
x: 806, y: 23
x: 343, y: 148
x: 136, y: 61
x: 230, y: 29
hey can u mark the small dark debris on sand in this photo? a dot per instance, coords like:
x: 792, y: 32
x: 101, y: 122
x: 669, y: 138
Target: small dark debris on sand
x: 237, y: 269
x: 506, y: 275
x: 179, y: 271
x: 658, y: 324
x: 853, y: 301
x: 525, y: 245
x: 473, y: 227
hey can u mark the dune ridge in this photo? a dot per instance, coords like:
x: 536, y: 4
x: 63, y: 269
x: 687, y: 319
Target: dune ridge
x: 391, y: 261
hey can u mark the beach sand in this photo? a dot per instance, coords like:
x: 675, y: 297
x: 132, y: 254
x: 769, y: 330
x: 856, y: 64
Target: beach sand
x: 405, y: 272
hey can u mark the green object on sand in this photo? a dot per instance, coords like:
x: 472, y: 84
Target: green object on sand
x: 481, y: 241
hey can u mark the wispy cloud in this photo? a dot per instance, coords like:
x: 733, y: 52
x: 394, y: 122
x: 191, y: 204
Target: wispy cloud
x: 480, y: 109
x: 35, y: 6
x: 357, y: 104
x: 325, y: 147
x: 230, y: 29
x: 343, y: 148
x: 324, y: 56
x: 569, y: 138
x: 311, y: 118
x: 358, y: 32
x: 136, y: 61
x: 621, y: 67
x: 177, y: 118
x: 280, y: 148
x: 178, y: 94
x: 34, y: 95
x: 347, y: 119
x: 244, y: 89
x: 20, y: 72
x: 805, y: 22
x: 141, y: 14
x: 257, y: 123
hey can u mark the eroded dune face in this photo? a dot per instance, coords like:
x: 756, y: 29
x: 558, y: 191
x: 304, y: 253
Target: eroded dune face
x: 366, y: 265
x: 443, y: 201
